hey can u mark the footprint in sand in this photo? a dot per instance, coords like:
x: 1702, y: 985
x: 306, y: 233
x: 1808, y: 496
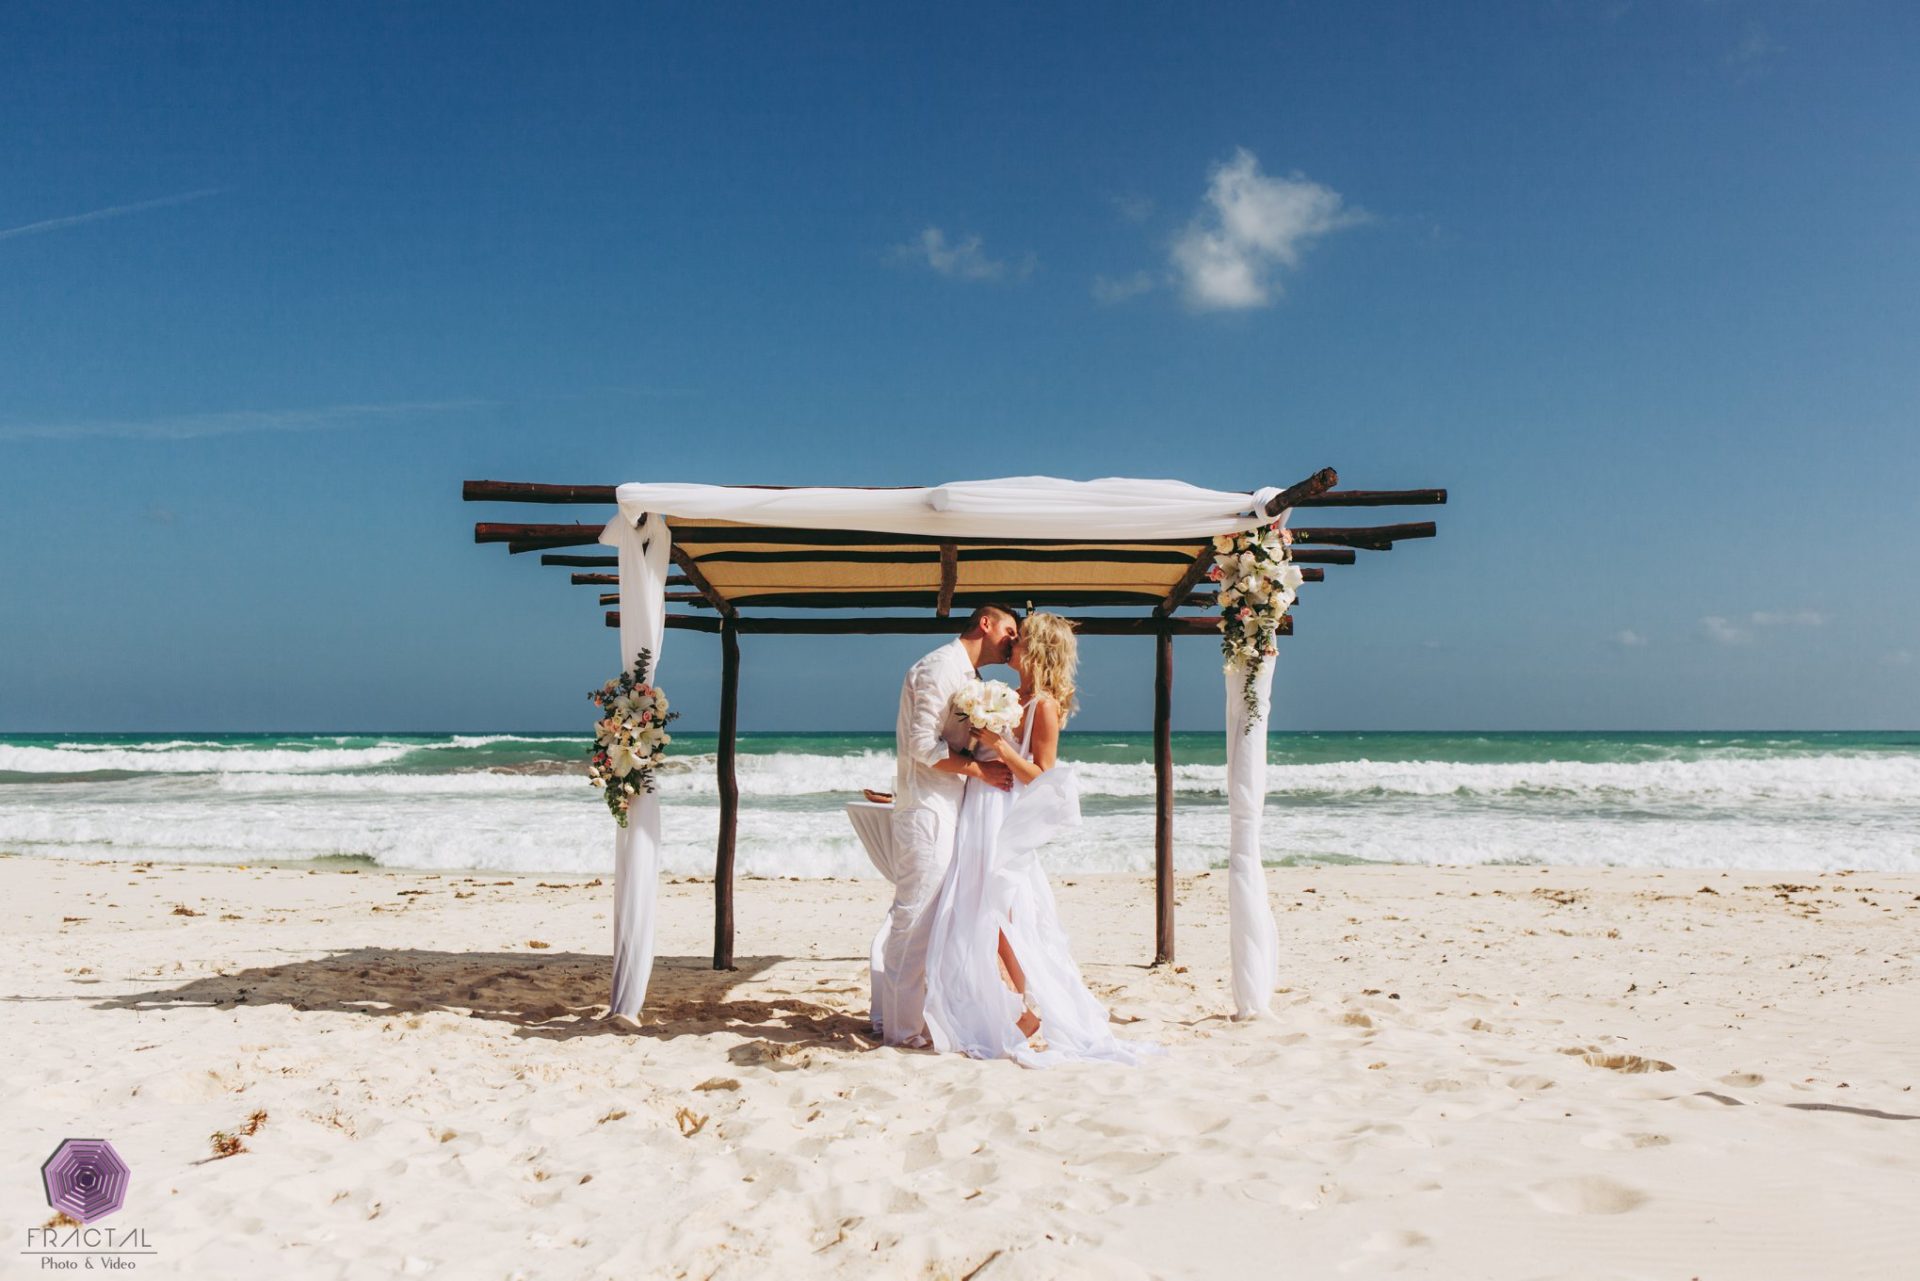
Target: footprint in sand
x: 1590, y: 1194
x: 1742, y: 1078
x: 1620, y: 1062
x: 1616, y: 1141
x: 1380, y: 1247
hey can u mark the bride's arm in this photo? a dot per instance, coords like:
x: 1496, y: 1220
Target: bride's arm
x: 1046, y: 737
x: 1045, y: 744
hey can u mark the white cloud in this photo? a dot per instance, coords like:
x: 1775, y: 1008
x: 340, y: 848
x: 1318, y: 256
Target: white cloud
x: 112, y: 211
x: 1627, y: 638
x: 1726, y: 631
x: 964, y: 259
x: 237, y: 422
x: 1722, y: 632
x: 1109, y: 289
x: 1252, y: 228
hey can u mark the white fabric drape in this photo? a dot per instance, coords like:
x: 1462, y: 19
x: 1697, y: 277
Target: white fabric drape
x: 644, y: 554
x: 1016, y: 507
x: 1255, y: 942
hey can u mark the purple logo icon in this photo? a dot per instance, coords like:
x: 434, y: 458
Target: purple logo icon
x: 86, y: 1179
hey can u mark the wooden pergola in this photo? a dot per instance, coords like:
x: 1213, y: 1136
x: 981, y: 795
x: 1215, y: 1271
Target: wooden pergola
x: 736, y: 570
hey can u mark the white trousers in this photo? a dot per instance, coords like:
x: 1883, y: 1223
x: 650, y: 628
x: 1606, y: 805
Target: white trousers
x: 922, y: 848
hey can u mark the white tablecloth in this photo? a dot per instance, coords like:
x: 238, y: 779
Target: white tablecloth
x: 873, y: 822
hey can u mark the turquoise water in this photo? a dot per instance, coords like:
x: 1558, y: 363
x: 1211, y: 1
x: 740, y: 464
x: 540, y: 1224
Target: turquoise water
x: 514, y: 801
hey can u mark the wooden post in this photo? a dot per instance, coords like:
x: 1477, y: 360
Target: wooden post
x: 729, y: 795
x: 1163, y: 795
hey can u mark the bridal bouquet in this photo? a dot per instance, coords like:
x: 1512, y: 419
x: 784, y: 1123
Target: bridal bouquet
x: 630, y: 740
x: 990, y: 705
x: 1257, y: 580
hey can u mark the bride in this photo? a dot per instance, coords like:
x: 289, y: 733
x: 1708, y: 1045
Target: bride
x: 999, y: 968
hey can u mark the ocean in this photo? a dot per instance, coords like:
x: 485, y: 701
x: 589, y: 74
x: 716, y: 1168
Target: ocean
x: 514, y: 803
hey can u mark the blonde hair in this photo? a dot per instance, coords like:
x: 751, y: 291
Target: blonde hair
x: 1052, y: 655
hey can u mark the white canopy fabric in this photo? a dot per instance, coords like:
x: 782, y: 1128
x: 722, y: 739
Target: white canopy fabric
x: 1011, y: 508
x: 1016, y: 507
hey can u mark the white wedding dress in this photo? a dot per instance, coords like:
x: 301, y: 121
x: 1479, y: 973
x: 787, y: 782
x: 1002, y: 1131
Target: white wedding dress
x: 995, y: 885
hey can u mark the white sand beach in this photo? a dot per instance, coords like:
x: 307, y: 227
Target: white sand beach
x: 1486, y: 1072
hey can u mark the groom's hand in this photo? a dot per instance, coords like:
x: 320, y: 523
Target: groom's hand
x: 995, y: 773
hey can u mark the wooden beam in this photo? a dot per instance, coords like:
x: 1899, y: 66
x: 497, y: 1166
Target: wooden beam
x: 521, y: 538
x: 967, y: 555
x: 1163, y: 795
x: 1178, y: 593
x: 699, y: 579
x: 702, y: 535
x: 1375, y: 498
x: 528, y: 538
x: 1194, y: 597
x: 729, y: 794
x: 513, y: 491
x: 613, y: 580
x: 927, y: 625
x: 1327, y: 556
x: 507, y: 491
x: 949, y: 575
x: 928, y: 598
x: 1373, y: 538
x: 673, y: 598
x: 1312, y: 487
x: 516, y: 491
x: 582, y: 562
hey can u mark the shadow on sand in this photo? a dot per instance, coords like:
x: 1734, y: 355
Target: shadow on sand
x: 555, y: 996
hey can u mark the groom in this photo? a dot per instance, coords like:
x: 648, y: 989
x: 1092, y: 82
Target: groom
x: 930, y: 744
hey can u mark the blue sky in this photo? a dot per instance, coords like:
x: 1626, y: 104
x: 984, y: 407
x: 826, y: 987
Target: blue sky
x: 1638, y: 283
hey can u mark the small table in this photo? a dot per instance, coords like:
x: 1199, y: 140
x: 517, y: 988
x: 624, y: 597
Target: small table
x: 873, y: 823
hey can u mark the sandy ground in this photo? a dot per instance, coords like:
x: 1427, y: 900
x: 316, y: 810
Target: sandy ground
x: 1487, y: 1072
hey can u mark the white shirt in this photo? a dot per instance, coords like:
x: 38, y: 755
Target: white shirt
x: 929, y: 730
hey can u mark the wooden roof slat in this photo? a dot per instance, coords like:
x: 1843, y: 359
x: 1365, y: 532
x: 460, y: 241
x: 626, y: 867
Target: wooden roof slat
x: 1309, y: 573
x: 965, y: 555
x: 1197, y: 625
x: 1313, y: 486
x: 693, y: 572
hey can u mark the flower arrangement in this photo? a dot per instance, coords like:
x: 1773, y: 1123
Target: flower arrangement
x: 630, y: 738
x: 1257, y: 580
x: 992, y: 705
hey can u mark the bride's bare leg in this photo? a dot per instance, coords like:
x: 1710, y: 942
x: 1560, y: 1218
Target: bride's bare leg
x: 1028, y: 1022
